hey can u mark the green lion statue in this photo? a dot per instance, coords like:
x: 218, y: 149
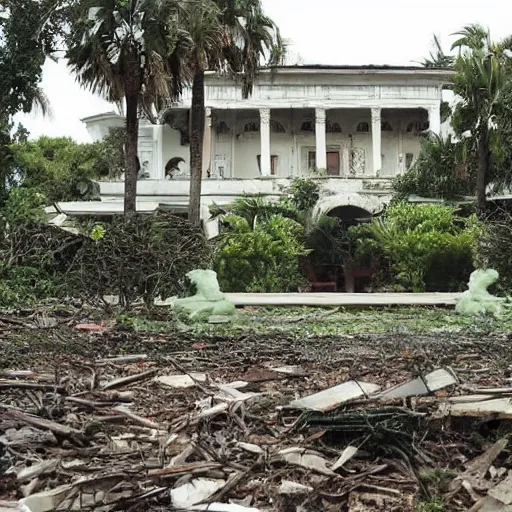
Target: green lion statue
x: 208, y: 300
x: 477, y: 300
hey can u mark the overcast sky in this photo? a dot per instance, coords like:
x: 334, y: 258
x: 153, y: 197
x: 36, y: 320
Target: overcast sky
x: 323, y: 32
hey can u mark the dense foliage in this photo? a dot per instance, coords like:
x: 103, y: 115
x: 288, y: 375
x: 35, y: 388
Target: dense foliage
x: 139, y: 257
x: 427, y: 248
x: 438, y: 172
x: 61, y: 169
x: 262, y: 257
x: 263, y: 241
x: 480, y: 158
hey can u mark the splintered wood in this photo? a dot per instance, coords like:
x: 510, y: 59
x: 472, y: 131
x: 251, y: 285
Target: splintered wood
x: 274, y: 425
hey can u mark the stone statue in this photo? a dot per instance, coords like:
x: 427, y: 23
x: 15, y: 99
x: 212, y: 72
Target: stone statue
x: 477, y: 300
x: 208, y: 298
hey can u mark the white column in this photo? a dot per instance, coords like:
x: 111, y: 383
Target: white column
x: 207, y: 141
x: 265, y: 141
x: 321, y: 145
x: 346, y: 161
x: 434, y: 119
x: 233, y: 141
x: 158, y: 171
x: 376, y: 141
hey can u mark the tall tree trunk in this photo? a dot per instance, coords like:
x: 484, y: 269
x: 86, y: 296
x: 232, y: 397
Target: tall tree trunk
x: 482, y: 170
x: 131, y: 161
x: 196, y: 148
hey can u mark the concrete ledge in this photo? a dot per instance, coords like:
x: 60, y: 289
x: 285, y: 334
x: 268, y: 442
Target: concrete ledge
x: 344, y: 299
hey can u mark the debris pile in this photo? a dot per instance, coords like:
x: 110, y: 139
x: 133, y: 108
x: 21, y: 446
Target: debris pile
x: 181, y: 430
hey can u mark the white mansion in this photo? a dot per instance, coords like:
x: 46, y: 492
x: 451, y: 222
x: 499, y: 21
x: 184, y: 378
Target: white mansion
x: 353, y: 127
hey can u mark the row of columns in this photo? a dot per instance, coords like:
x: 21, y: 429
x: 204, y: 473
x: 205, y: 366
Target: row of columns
x: 321, y: 139
x: 320, y: 136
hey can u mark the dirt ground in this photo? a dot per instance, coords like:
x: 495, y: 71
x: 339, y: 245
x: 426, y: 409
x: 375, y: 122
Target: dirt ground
x: 139, y: 444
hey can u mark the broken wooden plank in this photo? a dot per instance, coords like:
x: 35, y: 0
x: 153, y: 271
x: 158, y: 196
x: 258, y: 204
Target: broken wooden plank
x: 36, y: 421
x: 123, y: 381
x: 497, y: 408
x: 477, y: 468
x: 132, y: 358
x: 185, y: 469
x: 13, y: 384
x: 307, y: 459
x: 433, y: 381
x: 137, y: 419
x: 333, y: 397
x: 345, y: 456
x: 183, y: 381
x: 39, y: 468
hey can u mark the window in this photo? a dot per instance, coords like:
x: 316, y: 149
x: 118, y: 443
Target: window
x: 311, y: 160
x: 251, y: 126
x: 276, y: 127
x: 222, y: 128
x: 385, y: 127
x: 417, y: 127
x: 307, y: 126
x: 333, y: 163
x: 273, y: 164
x: 409, y: 158
x: 331, y: 127
x: 363, y: 127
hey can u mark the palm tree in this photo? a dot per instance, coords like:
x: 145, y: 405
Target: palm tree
x: 119, y: 49
x: 226, y: 36
x: 482, y: 72
x: 437, y: 58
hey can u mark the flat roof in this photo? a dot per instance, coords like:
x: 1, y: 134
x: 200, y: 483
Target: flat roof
x: 374, y: 67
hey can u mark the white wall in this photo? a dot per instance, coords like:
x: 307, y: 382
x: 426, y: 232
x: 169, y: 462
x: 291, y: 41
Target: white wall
x: 171, y: 148
x: 293, y: 146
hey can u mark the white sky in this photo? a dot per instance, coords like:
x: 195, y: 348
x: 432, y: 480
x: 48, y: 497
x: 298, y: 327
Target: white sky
x: 323, y: 32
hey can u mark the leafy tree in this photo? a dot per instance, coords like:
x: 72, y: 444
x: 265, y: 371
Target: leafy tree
x: 482, y: 73
x: 24, y: 42
x: 120, y: 48
x: 231, y: 36
x: 60, y: 168
x: 438, y: 172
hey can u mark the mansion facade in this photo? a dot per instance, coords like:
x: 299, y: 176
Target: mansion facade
x: 351, y: 127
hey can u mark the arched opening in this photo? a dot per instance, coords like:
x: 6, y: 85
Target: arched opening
x: 350, y: 215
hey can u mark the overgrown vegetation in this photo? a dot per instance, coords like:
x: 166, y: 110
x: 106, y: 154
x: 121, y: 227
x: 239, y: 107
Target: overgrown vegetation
x: 494, y: 247
x: 479, y: 159
x: 139, y: 257
x: 427, y: 248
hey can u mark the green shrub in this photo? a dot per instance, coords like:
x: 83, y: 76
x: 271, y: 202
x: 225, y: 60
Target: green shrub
x: 262, y: 257
x: 429, y: 248
x: 304, y: 193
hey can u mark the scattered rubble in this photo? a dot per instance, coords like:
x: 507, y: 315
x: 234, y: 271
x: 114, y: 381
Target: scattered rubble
x: 243, y: 428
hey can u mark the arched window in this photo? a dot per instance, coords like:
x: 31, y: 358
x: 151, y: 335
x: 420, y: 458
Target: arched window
x: 307, y: 126
x: 251, y: 126
x: 363, y: 127
x: 222, y: 128
x: 332, y: 127
x: 417, y: 127
x: 276, y: 126
x: 385, y: 126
